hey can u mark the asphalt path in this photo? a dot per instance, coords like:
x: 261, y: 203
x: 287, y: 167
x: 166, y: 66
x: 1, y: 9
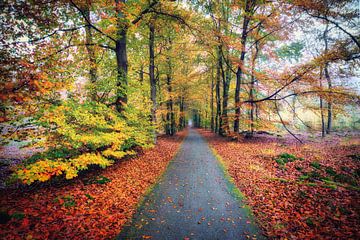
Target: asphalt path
x: 192, y: 200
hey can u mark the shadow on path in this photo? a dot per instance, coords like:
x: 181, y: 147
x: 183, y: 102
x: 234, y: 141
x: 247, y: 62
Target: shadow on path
x: 192, y: 200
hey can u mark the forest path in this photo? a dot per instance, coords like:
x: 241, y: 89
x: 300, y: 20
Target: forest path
x: 192, y: 200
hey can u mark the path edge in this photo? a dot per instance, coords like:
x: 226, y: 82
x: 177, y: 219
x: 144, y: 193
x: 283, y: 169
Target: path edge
x: 154, y: 185
x: 236, y: 192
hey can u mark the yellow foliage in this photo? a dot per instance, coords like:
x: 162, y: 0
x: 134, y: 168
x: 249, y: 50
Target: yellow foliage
x: 90, y: 127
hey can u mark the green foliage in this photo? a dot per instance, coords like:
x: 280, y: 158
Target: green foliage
x: 299, y: 168
x: 84, y: 134
x: 89, y: 196
x: 102, y: 180
x: 311, y: 176
x: 291, y: 51
x: 310, y: 222
x: 18, y: 215
x: 330, y: 171
x: 69, y: 201
x: 284, y: 158
x: 315, y: 165
x: 345, y: 178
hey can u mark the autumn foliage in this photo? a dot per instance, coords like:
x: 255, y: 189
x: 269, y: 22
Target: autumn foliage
x: 93, y: 206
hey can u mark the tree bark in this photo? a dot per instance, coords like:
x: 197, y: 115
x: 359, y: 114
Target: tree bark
x: 170, y: 117
x: 91, y: 53
x: 121, y: 59
x: 321, y: 108
x: 212, y: 124
x: 217, y: 95
x: 252, y: 88
x: 239, y: 72
x: 328, y: 79
x: 152, y: 74
x: 224, y: 129
x: 182, y: 113
x: 141, y: 74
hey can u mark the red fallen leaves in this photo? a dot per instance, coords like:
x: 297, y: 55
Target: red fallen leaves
x: 285, y: 206
x: 94, y: 211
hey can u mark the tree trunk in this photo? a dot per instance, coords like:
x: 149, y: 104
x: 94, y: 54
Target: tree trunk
x: 321, y: 108
x: 170, y: 118
x: 91, y: 53
x: 226, y: 86
x: 329, y: 107
x: 240, y: 67
x: 328, y: 79
x: 252, y: 88
x: 141, y: 74
x: 152, y: 74
x: 182, y: 113
x: 121, y: 59
x: 212, y: 124
x: 218, y: 98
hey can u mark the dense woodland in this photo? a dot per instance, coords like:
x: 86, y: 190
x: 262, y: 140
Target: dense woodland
x: 90, y: 82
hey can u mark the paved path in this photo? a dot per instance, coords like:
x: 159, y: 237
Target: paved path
x: 193, y: 200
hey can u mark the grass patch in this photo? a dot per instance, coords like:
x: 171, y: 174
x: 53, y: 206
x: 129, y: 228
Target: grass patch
x: 330, y: 171
x: 18, y: 215
x: 315, y: 164
x: 309, y: 222
x: 284, y: 158
x: 89, y: 196
x: 279, y: 179
x: 69, y: 201
x: 97, y: 180
x: 344, y: 178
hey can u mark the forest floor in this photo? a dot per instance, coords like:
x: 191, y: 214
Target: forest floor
x: 93, y: 206
x: 193, y: 200
x: 297, y: 191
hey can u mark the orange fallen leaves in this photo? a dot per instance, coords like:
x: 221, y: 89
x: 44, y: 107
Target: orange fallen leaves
x: 285, y: 206
x: 87, y: 211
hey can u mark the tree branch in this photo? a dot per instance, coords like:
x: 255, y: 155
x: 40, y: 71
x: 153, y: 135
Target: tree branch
x: 145, y: 11
x: 89, y: 23
x: 283, y: 123
x: 46, y: 36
